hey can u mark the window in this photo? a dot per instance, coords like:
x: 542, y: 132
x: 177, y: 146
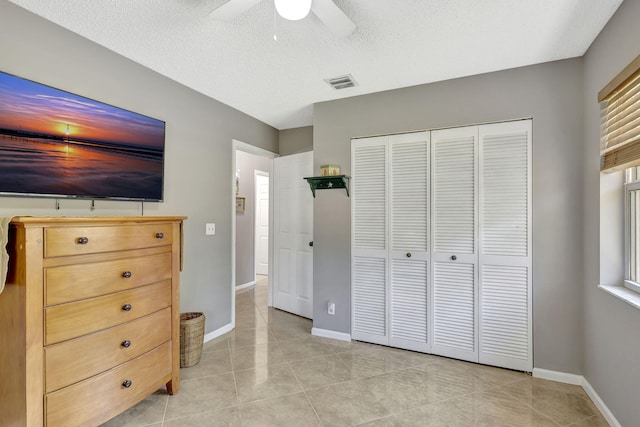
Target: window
x: 620, y: 152
x: 632, y: 229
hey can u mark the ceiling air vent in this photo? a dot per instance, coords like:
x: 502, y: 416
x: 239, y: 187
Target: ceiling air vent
x: 341, y: 82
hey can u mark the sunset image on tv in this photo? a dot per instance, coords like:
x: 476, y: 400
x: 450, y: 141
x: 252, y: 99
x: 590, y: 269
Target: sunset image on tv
x: 54, y: 143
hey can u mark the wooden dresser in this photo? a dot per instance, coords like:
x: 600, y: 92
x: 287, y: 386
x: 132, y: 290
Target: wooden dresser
x: 89, y: 317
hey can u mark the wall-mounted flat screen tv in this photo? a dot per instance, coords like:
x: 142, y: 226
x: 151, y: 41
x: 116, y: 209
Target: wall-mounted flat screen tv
x: 57, y: 144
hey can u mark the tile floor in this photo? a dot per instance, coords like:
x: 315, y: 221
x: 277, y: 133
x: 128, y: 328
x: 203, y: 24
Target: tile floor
x: 270, y: 371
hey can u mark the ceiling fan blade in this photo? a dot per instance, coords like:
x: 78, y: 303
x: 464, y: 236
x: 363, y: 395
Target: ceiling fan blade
x: 333, y: 17
x: 232, y: 8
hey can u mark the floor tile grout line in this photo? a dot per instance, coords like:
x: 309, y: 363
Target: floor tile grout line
x: 583, y: 419
x: 166, y: 405
x: 305, y: 394
x: 516, y: 399
x: 313, y: 408
x: 235, y: 384
x: 198, y: 413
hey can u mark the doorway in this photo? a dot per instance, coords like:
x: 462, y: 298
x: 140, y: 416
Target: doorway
x: 248, y: 162
x: 261, y: 220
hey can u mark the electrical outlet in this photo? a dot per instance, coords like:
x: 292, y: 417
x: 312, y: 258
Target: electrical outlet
x: 331, y: 309
x: 210, y: 229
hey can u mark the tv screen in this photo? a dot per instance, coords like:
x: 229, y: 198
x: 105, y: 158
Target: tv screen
x: 57, y: 144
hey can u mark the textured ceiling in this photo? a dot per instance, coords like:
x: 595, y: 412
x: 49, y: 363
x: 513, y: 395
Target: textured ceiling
x: 398, y: 43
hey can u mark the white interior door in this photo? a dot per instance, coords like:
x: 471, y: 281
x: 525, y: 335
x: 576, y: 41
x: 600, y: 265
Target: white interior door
x: 262, y: 223
x: 505, y: 245
x: 454, y: 253
x: 293, y: 234
x: 409, y: 240
x: 369, y: 250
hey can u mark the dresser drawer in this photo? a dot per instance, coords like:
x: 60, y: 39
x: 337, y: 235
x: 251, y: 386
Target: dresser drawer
x: 75, y: 282
x: 75, y: 360
x: 99, y: 398
x: 63, y: 241
x: 66, y: 321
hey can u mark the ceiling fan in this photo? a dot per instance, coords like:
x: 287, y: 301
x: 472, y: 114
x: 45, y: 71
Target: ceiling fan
x: 326, y: 10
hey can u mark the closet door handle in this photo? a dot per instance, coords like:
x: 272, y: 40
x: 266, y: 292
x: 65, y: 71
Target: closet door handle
x: 453, y: 257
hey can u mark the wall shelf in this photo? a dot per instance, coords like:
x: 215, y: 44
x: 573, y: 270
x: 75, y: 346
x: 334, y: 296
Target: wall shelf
x: 328, y: 183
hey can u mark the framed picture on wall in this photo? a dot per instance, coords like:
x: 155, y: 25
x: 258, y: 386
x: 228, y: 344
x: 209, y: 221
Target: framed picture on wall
x: 240, y: 204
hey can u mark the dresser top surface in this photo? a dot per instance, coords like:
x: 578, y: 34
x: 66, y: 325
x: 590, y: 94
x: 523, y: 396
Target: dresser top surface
x: 68, y: 220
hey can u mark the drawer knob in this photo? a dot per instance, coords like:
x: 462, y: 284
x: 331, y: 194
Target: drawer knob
x: 159, y: 235
x: 126, y: 343
x: 126, y: 307
x: 127, y: 383
x: 82, y: 240
x: 453, y: 257
x: 126, y: 274
x: 408, y: 254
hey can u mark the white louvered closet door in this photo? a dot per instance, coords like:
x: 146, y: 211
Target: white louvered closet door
x: 454, y: 243
x: 505, y: 245
x: 369, y: 268
x: 409, y: 239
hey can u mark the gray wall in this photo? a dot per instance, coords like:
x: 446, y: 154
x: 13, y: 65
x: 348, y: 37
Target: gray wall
x: 247, y: 163
x: 550, y: 93
x: 296, y: 140
x: 612, y: 347
x: 198, y: 175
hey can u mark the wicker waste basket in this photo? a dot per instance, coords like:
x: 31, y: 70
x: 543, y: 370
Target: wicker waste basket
x: 191, y: 338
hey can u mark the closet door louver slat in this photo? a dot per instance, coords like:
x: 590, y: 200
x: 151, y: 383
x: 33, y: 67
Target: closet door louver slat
x: 453, y: 309
x: 409, y: 304
x: 504, y: 304
x: 369, y: 197
x: 454, y: 194
x: 409, y: 196
x: 504, y: 195
x: 369, y: 298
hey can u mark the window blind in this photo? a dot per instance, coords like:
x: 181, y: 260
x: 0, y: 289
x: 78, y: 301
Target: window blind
x: 620, y: 120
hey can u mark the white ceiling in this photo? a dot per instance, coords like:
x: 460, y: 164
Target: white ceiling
x: 398, y: 43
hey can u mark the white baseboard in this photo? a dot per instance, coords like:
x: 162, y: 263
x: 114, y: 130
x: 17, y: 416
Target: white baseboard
x: 326, y: 333
x: 245, y: 285
x: 574, y: 379
x: 220, y: 331
x: 604, y: 410
x: 561, y: 377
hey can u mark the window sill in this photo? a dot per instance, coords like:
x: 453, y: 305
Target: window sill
x: 624, y: 294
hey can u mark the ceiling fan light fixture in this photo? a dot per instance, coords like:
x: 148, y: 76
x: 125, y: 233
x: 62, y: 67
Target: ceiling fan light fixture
x: 293, y: 10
